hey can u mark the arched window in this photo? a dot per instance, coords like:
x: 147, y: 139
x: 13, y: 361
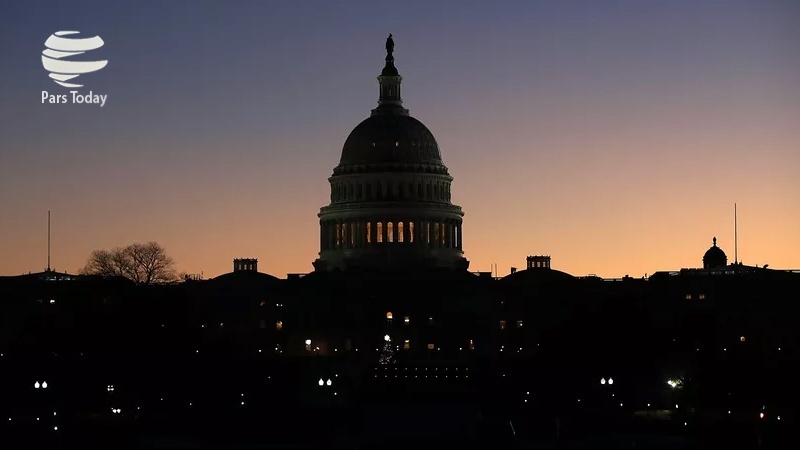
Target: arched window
x: 369, y: 232
x: 380, y: 232
x: 400, y: 237
x: 410, y: 231
x: 389, y: 315
x: 389, y: 232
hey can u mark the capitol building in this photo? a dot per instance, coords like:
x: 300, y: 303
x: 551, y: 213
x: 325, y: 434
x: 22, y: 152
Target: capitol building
x: 390, y: 194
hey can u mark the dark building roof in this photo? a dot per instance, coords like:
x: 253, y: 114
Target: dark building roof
x: 537, y: 275
x: 244, y: 277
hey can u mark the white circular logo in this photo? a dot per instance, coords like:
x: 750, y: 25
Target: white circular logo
x: 60, y: 47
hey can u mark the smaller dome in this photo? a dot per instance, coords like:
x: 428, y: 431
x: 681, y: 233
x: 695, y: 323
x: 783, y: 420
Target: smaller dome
x: 714, y: 257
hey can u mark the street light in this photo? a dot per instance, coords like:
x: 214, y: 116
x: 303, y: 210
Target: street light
x: 387, y: 338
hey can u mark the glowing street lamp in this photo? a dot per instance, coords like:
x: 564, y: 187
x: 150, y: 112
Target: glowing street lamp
x: 321, y: 382
x: 602, y: 381
x: 387, y: 338
x: 329, y: 382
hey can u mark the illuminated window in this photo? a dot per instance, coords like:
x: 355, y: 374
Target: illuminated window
x: 389, y: 315
x: 742, y: 339
x: 380, y: 232
x: 471, y: 345
x: 519, y: 324
x: 279, y: 325
x: 444, y: 237
x: 369, y: 232
x: 400, y: 237
x: 389, y: 232
x: 410, y: 231
x: 431, y: 346
x: 688, y: 296
x: 436, y: 232
x: 701, y: 297
x: 502, y: 324
x: 406, y: 344
x: 352, y: 234
x: 406, y: 319
x: 427, y: 232
x: 338, y: 234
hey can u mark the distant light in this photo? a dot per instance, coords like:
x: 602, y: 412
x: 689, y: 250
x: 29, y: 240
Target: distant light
x: 55, y: 428
x: 329, y: 382
x: 52, y: 301
x: 36, y: 385
x: 321, y: 382
x: 308, y: 341
x: 742, y: 339
x: 242, y: 403
x: 761, y: 415
x: 610, y: 381
x: 676, y: 406
x: 648, y: 405
x: 44, y: 384
x: 387, y: 338
x: 602, y: 381
x: 779, y: 417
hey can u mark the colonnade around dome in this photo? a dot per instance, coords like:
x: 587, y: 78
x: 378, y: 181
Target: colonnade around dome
x: 349, y: 233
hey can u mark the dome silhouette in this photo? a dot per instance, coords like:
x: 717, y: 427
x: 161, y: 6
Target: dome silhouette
x: 714, y: 257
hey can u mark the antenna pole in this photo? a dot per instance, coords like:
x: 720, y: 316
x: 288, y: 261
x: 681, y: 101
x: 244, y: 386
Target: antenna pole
x: 735, y: 236
x: 48, y: 240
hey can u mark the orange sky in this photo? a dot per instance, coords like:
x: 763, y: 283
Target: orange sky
x: 614, y: 140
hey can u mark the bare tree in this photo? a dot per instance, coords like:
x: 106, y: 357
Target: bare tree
x: 142, y: 263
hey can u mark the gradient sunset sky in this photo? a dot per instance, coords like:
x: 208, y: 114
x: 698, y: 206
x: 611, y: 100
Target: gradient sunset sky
x: 613, y: 136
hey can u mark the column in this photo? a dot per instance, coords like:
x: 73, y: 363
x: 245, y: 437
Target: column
x: 460, y: 242
x: 321, y: 236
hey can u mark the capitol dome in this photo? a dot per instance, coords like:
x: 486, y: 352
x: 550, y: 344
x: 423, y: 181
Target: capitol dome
x: 390, y: 139
x: 390, y: 193
x: 714, y: 257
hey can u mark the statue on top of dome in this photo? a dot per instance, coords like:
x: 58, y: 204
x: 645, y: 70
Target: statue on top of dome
x: 389, y: 44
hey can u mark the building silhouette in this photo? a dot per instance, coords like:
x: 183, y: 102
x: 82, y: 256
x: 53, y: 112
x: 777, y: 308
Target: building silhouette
x: 390, y: 194
x: 714, y: 257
